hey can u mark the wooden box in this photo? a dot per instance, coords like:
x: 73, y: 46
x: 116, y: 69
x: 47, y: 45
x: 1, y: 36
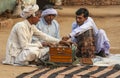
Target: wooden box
x: 86, y: 61
x: 61, y: 54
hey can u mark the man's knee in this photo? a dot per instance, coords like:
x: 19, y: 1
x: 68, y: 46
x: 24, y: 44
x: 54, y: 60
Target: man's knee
x: 31, y: 56
x: 101, y: 32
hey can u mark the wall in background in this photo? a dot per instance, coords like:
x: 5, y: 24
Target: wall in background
x: 91, y: 2
x: 6, y: 4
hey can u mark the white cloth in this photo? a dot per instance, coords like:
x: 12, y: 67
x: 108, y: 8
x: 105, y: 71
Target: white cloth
x: 112, y: 59
x: 19, y: 47
x: 29, y: 10
x: 49, y: 11
x: 102, y: 42
x: 29, y: 2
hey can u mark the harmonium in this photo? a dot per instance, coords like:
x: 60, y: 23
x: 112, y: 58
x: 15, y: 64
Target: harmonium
x: 60, y: 54
x: 86, y: 47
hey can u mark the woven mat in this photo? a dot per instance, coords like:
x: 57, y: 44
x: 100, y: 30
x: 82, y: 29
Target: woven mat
x: 74, y: 72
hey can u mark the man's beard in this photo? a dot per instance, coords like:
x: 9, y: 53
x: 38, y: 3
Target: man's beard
x: 79, y: 23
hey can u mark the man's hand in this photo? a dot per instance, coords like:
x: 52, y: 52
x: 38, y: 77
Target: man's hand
x: 65, y: 38
x: 65, y: 43
x: 46, y: 44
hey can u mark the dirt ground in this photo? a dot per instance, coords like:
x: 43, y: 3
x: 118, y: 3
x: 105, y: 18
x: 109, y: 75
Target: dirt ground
x: 106, y: 17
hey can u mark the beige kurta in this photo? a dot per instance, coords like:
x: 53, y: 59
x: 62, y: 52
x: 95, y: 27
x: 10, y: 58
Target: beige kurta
x: 19, y: 47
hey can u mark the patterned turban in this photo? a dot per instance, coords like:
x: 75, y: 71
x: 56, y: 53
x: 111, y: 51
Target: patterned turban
x: 29, y: 10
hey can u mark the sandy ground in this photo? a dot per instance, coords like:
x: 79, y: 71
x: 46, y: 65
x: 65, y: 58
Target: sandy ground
x: 106, y: 17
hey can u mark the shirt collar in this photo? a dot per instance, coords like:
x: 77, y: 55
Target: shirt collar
x: 29, y: 25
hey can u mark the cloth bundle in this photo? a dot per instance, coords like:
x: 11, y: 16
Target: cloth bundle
x: 86, y: 44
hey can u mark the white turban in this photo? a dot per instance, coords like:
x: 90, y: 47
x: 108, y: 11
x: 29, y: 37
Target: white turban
x: 29, y: 10
x: 49, y: 11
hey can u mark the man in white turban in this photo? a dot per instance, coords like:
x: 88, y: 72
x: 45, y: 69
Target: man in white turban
x: 48, y: 24
x: 29, y: 10
x: 19, y: 49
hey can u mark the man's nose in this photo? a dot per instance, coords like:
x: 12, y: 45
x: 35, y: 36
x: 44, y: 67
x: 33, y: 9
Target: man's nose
x: 51, y: 16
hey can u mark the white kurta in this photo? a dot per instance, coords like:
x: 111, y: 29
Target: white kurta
x: 102, y: 42
x: 19, y: 48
